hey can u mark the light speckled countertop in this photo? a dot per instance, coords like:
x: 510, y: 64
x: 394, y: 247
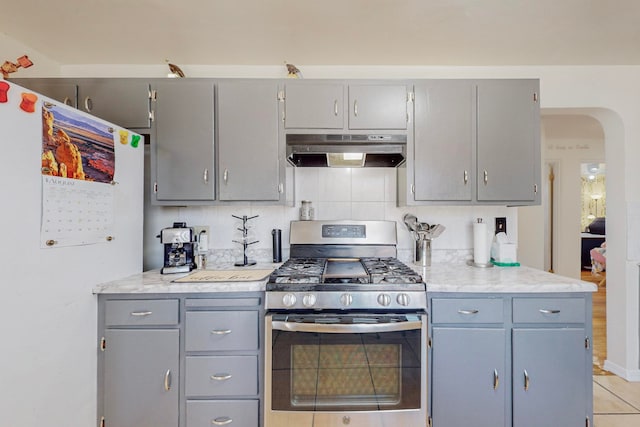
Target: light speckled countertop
x: 444, y: 277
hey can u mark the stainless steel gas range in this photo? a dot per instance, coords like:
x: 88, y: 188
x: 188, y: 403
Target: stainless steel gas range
x: 345, y: 330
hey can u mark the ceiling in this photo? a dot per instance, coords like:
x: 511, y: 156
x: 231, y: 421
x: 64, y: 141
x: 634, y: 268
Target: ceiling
x: 329, y: 32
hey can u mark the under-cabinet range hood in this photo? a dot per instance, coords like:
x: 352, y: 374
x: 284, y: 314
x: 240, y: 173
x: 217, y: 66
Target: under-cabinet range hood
x: 342, y: 150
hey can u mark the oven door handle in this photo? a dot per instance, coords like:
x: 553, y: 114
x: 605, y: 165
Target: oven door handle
x: 339, y: 328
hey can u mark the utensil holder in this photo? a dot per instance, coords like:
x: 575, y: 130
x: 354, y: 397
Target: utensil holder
x: 422, y: 252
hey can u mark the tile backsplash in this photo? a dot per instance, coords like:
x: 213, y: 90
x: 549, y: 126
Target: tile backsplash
x: 335, y: 193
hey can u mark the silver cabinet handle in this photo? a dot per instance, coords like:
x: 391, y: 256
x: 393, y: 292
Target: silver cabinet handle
x: 281, y: 188
x: 66, y: 100
x: 88, y: 104
x: 167, y: 380
x: 335, y: 107
x: 221, y: 377
x: 473, y: 311
x: 205, y: 175
x: 466, y: 177
x: 355, y: 108
x: 141, y: 313
x: 547, y: 311
x: 526, y: 380
x: 225, y: 175
x: 496, y: 379
x: 221, y: 331
x: 486, y: 177
x: 222, y: 421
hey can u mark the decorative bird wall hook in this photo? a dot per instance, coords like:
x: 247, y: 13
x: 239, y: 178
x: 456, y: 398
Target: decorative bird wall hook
x: 293, y: 71
x: 10, y: 67
x: 175, y: 70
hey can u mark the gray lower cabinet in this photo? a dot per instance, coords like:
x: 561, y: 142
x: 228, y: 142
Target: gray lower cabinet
x: 513, y: 360
x: 180, y: 360
x: 248, y: 154
x: 182, y: 152
x: 141, y: 378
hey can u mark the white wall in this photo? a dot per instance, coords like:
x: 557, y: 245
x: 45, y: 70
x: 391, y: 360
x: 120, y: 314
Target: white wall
x: 42, y: 65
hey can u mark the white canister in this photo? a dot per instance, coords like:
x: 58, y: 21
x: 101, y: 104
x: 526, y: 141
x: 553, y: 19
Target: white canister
x: 306, y: 211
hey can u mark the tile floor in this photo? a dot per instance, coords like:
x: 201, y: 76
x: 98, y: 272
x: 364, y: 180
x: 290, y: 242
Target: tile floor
x: 616, y: 402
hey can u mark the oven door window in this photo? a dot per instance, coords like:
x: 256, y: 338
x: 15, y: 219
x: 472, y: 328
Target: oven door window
x: 337, y: 371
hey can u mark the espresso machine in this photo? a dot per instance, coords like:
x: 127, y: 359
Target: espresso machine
x: 179, y: 248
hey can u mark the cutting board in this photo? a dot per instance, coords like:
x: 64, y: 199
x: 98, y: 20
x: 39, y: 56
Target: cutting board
x: 206, y: 276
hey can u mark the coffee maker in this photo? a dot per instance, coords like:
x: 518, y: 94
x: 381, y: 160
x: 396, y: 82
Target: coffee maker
x: 179, y: 245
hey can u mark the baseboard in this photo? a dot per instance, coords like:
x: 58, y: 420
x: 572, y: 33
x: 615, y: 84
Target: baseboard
x: 632, y: 375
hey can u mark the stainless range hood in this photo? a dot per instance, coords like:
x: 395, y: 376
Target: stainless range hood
x: 342, y: 150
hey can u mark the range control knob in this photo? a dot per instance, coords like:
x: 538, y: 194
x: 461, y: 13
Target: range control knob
x: 403, y: 299
x: 289, y: 300
x: 346, y: 299
x: 309, y: 300
x: 384, y: 300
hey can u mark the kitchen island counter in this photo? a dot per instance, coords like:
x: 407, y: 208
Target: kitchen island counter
x: 152, y: 282
x: 454, y: 277
x: 440, y: 277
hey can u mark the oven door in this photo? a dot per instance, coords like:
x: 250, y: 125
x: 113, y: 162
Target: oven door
x: 345, y: 368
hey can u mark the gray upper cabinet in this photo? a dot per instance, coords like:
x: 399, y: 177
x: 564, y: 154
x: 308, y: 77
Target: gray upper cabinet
x: 248, y: 154
x: 60, y: 90
x: 378, y: 106
x: 508, y: 141
x: 182, y: 152
x: 314, y: 106
x: 125, y: 102
x: 121, y: 101
x: 374, y: 106
x: 475, y: 141
x: 444, y: 140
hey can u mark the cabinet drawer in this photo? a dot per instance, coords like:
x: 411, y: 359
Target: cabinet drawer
x: 222, y: 376
x: 467, y: 310
x: 141, y: 312
x: 548, y: 310
x: 236, y: 413
x: 221, y: 330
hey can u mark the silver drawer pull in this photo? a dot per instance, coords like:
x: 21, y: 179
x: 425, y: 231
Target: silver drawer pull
x: 474, y: 311
x: 496, y: 379
x: 141, y: 313
x: 221, y: 331
x: 221, y: 377
x: 547, y: 311
x: 221, y: 421
x: 526, y: 380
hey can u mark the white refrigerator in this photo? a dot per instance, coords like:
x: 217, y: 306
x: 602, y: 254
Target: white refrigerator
x: 71, y: 204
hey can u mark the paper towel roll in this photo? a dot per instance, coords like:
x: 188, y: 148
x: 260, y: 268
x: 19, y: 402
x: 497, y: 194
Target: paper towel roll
x: 480, y: 243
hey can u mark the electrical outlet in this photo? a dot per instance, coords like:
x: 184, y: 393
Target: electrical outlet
x: 501, y: 224
x: 198, y: 228
x: 203, y: 246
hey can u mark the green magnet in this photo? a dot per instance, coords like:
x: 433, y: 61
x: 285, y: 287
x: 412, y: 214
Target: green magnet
x: 135, y: 139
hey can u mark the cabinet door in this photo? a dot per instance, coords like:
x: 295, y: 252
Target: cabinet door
x: 377, y: 107
x: 508, y: 147
x: 315, y: 106
x: 550, y: 385
x: 141, y: 378
x: 124, y: 102
x: 64, y: 92
x: 248, y: 152
x: 444, y: 140
x: 468, y: 385
x: 183, y: 146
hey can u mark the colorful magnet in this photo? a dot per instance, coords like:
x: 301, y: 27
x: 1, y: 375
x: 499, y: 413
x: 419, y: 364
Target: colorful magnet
x: 28, y: 103
x: 135, y: 139
x: 124, y: 137
x: 4, y: 88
